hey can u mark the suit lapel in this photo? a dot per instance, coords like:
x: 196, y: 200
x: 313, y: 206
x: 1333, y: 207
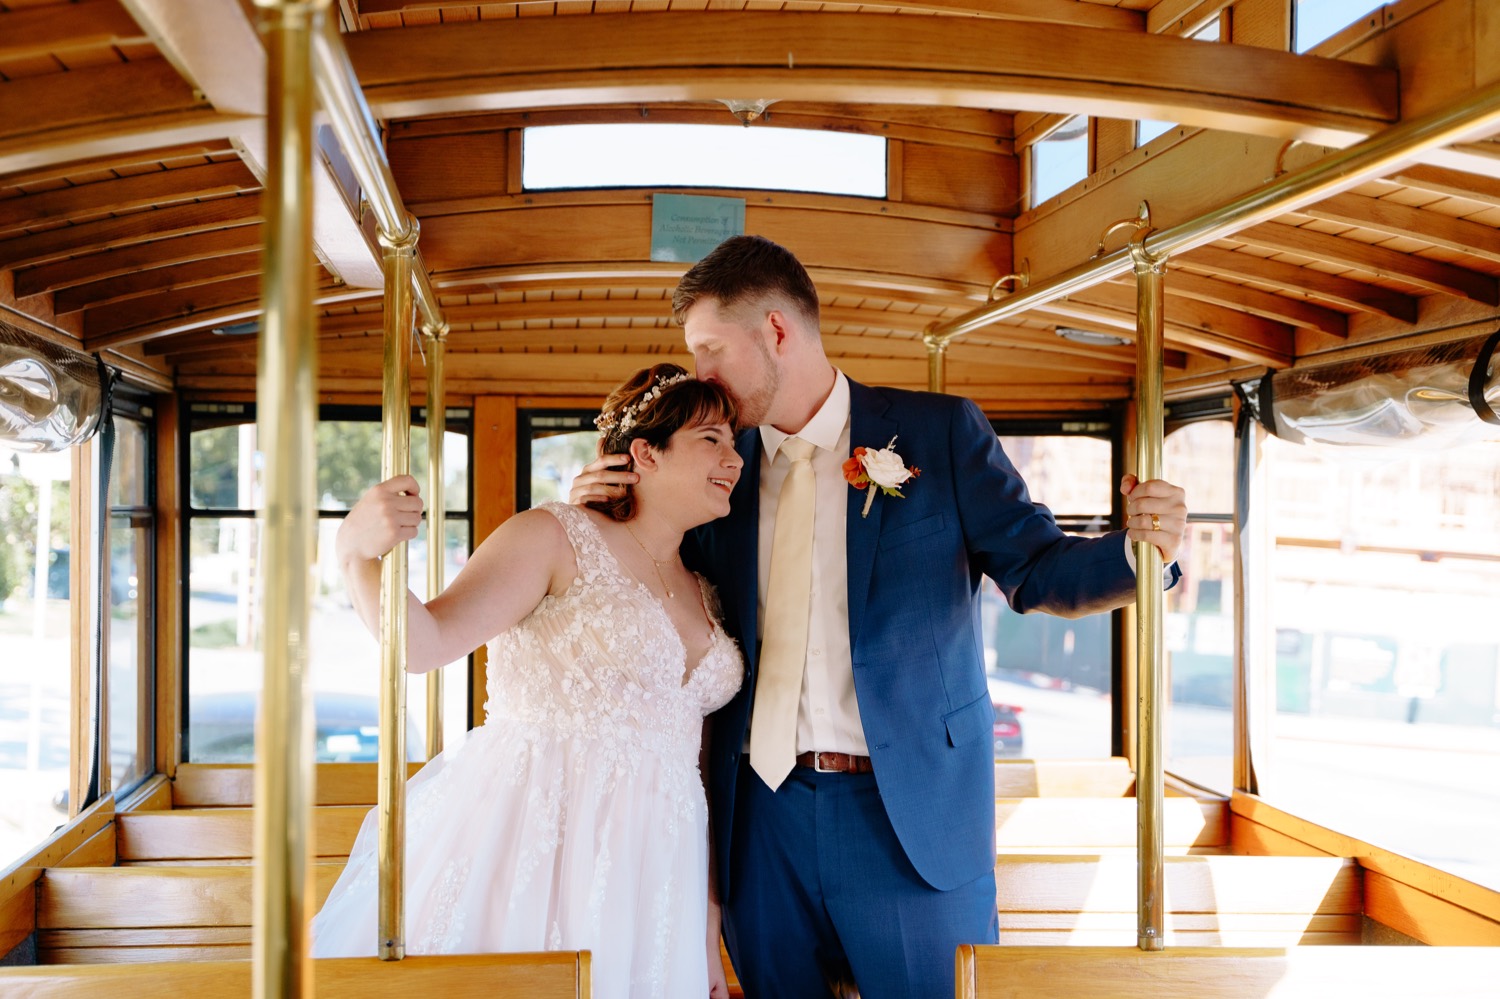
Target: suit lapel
x: 868, y: 427
x: 741, y: 545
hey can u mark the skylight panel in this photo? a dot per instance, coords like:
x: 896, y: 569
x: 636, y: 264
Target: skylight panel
x: 557, y: 157
x: 1314, y: 21
x: 1060, y: 160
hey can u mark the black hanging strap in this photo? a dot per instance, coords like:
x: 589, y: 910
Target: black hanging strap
x: 1479, y: 376
x: 101, y: 519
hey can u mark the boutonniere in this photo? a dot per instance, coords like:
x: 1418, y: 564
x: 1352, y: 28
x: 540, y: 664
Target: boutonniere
x: 881, y: 467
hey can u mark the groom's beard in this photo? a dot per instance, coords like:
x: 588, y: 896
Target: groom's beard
x: 759, y: 391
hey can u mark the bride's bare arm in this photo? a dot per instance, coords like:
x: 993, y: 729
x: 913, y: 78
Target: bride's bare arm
x: 519, y: 563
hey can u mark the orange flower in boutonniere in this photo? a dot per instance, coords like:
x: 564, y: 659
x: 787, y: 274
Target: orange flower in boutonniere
x: 881, y: 467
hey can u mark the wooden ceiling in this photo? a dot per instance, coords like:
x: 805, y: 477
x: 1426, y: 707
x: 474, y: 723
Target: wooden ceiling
x: 132, y: 147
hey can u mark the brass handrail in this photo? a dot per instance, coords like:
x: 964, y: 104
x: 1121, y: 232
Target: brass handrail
x: 1475, y: 113
x: 286, y: 392
x: 1150, y: 685
x: 395, y: 459
x: 359, y: 135
x: 437, y: 425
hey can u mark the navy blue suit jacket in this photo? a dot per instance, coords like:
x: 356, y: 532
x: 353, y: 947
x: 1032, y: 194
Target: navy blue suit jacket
x: 914, y: 566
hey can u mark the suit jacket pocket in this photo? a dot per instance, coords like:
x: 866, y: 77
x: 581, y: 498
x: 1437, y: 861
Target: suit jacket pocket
x: 910, y: 532
x: 970, y: 722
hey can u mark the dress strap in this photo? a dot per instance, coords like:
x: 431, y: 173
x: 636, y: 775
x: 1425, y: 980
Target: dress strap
x: 589, y: 549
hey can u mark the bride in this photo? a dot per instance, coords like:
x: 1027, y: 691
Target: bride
x: 574, y: 817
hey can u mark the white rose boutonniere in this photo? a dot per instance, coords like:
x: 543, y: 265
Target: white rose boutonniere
x: 881, y: 467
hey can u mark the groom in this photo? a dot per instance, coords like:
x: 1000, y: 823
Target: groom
x: 851, y: 779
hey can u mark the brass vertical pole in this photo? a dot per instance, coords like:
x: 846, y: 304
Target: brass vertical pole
x: 437, y: 423
x: 937, y: 354
x: 1150, y: 695
x: 286, y: 396
x: 399, y: 254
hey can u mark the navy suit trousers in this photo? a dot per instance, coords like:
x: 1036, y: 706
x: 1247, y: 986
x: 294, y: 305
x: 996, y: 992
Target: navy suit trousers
x: 823, y: 891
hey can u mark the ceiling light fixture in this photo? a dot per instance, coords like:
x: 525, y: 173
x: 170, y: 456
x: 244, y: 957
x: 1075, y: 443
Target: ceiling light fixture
x: 747, y: 111
x: 1090, y: 337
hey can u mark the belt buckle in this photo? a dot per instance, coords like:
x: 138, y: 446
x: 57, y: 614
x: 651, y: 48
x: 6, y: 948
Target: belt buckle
x: 818, y: 765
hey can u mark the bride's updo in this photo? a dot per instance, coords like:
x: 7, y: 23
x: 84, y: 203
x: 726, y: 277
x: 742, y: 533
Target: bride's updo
x: 652, y: 405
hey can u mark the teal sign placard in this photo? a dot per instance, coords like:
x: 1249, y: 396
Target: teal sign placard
x: 684, y: 227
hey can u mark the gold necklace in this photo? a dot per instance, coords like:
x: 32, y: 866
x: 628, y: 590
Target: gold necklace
x: 655, y: 564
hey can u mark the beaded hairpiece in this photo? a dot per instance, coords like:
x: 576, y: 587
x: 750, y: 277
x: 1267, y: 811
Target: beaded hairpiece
x: 623, y: 421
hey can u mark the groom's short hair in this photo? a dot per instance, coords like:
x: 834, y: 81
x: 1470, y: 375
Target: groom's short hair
x: 745, y: 270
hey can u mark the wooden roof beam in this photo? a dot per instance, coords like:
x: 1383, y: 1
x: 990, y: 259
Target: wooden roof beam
x: 1431, y: 275
x: 85, y: 99
x: 1201, y: 324
x: 125, y: 260
x: 1091, y: 315
x: 1049, y: 11
x: 556, y: 61
x: 1396, y: 219
x: 213, y: 304
x: 1452, y: 183
x: 156, y: 281
x: 1252, y: 301
x: 125, y: 230
x: 162, y: 187
x: 26, y: 32
x: 1315, y: 284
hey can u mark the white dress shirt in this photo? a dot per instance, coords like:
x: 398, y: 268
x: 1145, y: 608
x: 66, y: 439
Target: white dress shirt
x: 828, y: 716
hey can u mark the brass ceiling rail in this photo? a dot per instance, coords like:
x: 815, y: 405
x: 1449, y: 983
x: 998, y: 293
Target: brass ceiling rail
x: 1376, y: 156
x: 354, y: 124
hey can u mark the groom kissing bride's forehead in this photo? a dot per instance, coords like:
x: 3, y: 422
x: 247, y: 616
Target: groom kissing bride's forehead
x: 865, y: 720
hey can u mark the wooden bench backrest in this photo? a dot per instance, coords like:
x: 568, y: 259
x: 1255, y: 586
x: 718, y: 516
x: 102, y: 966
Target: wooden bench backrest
x: 1228, y: 973
x: 1081, y: 825
x: 214, y: 785
x: 1110, y: 777
x: 553, y: 975
x: 223, y: 833
x: 1022, y: 825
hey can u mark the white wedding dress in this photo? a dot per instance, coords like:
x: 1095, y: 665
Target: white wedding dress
x: 574, y: 817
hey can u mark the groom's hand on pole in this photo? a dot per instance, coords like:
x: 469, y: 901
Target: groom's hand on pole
x: 602, y: 480
x: 1155, y: 511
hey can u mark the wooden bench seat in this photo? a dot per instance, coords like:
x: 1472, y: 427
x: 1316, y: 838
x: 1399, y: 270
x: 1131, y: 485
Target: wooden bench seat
x: 1090, y: 900
x: 1228, y: 973
x: 553, y: 975
x: 1086, y: 825
x: 148, y: 914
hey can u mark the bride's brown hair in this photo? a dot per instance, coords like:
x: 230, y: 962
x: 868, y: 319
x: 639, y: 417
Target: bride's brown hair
x: 652, y: 405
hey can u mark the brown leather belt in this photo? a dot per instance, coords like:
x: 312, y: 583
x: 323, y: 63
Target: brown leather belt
x: 838, y: 763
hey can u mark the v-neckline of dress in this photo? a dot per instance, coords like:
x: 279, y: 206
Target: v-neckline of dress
x: 624, y: 572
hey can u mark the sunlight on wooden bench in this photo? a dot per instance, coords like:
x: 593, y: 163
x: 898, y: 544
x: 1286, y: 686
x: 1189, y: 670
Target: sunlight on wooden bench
x: 553, y: 975
x: 1228, y: 973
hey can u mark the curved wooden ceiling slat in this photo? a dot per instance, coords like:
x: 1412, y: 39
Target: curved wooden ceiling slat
x: 1052, y: 11
x: 44, y: 30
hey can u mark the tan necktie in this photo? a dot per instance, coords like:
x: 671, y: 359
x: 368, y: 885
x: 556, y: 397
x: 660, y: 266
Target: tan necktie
x: 783, y: 651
